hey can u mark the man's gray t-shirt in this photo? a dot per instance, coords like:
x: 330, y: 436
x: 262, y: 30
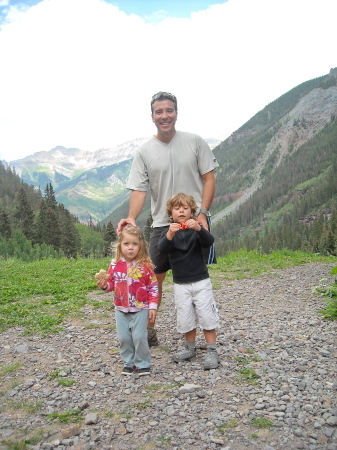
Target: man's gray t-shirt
x: 169, y: 169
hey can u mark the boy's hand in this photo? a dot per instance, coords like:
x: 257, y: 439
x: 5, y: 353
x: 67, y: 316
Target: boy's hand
x: 152, y: 317
x: 193, y: 224
x: 173, y: 228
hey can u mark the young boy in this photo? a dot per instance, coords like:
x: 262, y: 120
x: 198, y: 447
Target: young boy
x: 183, y: 242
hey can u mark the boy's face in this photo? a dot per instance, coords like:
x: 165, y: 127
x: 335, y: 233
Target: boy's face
x: 181, y: 213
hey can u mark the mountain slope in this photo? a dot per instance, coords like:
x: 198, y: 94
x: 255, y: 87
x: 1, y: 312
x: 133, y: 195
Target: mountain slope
x: 251, y: 154
x: 294, y: 174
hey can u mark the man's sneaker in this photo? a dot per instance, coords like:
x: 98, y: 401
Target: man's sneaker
x: 185, y: 355
x: 211, y: 360
x: 128, y: 370
x: 144, y: 371
x: 152, y: 338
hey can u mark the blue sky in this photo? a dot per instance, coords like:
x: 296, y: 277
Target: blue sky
x: 149, y: 10
x: 81, y: 73
x: 173, y: 8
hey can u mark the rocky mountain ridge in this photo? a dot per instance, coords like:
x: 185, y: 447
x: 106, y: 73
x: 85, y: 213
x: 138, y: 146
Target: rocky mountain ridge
x: 310, y: 115
x: 87, y: 183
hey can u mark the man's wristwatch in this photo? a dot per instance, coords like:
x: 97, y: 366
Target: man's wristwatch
x: 204, y: 211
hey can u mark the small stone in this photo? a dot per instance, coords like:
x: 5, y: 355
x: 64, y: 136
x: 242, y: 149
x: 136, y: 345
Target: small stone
x: 91, y: 419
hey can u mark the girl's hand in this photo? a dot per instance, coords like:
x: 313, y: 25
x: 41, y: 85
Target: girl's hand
x: 193, y: 224
x: 152, y: 317
x: 173, y: 228
x: 102, y: 283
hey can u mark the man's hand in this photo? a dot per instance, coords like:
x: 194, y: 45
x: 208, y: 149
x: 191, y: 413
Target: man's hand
x: 123, y: 222
x: 202, y: 220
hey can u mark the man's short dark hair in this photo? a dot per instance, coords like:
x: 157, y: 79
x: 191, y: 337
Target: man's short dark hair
x: 164, y: 96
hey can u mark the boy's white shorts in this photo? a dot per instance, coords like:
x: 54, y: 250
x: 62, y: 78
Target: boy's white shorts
x: 195, y: 304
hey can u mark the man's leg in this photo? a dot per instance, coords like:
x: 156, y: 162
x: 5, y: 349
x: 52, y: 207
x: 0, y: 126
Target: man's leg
x: 160, y: 279
x: 162, y: 265
x: 152, y: 337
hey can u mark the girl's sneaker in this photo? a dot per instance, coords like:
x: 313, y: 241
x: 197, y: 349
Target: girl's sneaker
x: 144, y: 371
x: 128, y: 370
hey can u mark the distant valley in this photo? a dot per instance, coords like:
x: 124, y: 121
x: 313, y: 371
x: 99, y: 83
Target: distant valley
x: 89, y: 184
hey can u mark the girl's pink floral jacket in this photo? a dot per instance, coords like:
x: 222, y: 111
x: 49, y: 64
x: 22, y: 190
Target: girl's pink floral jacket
x: 135, y: 287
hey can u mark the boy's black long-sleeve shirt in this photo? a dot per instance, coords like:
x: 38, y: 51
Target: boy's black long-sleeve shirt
x: 185, y: 254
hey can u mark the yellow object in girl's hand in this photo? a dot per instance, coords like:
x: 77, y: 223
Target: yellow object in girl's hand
x: 101, y: 275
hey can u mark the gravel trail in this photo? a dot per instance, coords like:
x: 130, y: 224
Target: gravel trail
x: 278, y: 367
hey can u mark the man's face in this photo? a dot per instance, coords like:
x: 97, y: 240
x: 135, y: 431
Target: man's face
x: 164, y: 117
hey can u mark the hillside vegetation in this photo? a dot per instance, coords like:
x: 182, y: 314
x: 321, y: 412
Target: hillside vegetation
x: 34, y: 226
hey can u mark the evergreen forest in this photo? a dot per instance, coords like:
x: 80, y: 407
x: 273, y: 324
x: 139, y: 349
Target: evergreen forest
x: 34, y: 225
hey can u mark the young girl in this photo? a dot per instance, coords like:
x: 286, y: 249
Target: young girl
x: 131, y: 277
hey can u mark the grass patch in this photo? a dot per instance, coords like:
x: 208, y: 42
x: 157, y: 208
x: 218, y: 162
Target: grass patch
x: 329, y: 291
x: 224, y: 426
x: 49, y: 291
x: 73, y: 415
x: 242, y: 361
x: 30, y: 407
x: 165, y: 441
x: 52, y: 290
x: 23, y: 444
x: 144, y: 405
x: 248, y: 375
x: 244, y: 264
x: 261, y: 422
x: 65, y: 382
x: 10, y: 368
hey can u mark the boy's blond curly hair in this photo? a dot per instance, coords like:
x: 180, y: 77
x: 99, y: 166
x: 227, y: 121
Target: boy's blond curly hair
x: 181, y: 199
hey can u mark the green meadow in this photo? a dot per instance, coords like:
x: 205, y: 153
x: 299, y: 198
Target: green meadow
x: 40, y: 295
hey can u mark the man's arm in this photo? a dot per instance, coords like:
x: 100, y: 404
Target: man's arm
x: 207, y: 196
x: 137, y: 200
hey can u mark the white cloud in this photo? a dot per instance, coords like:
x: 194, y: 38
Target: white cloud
x: 81, y: 73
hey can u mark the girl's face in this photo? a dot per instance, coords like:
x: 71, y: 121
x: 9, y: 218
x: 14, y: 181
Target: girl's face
x: 181, y: 213
x: 130, y: 246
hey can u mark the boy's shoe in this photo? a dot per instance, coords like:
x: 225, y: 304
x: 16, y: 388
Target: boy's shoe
x: 152, y: 338
x: 185, y: 355
x: 128, y: 370
x: 211, y: 360
x: 144, y: 371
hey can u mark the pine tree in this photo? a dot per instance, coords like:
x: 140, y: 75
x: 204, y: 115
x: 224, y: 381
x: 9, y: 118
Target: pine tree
x: 23, y: 215
x: 69, y: 234
x: 109, y: 237
x: 5, y: 226
x: 40, y: 224
x: 53, y: 229
x: 50, y: 197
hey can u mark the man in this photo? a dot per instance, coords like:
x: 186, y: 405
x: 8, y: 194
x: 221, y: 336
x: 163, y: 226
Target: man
x: 170, y: 162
